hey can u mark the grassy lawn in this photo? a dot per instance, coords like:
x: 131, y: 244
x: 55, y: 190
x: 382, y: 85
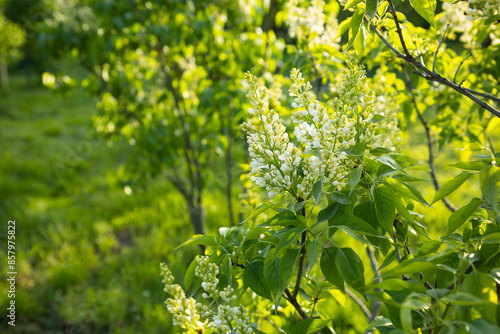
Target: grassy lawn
x: 87, y: 254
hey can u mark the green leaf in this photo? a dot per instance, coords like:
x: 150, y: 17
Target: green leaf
x: 278, y: 271
x: 338, y: 197
x: 409, y: 267
x: 451, y: 186
x: 309, y: 326
x: 464, y: 298
x: 371, y: 8
x: 253, y: 277
x: 425, y: 8
x: 350, y: 267
x: 357, y: 224
x: 351, y: 3
x: 430, y: 246
x: 328, y: 212
x: 353, y: 178
x: 470, y: 165
x: 385, y: 206
x: 312, y: 253
x: 316, y: 190
x: 200, y: 239
x: 343, y: 27
x: 489, y: 179
x: 459, y: 217
x: 329, y: 267
x: 287, y: 239
x: 356, y: 22
x: 190, y: 276
x: 406, y: 190
x: 354, y: 235
x: 388, y: 161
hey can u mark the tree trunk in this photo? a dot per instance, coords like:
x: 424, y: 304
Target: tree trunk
x: 195, y: 213
x: 4, y: 73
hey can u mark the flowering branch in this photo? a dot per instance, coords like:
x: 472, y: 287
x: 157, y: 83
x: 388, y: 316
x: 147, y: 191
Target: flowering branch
x: 425, y: 72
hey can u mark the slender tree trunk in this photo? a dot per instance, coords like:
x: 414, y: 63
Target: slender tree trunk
x: 4, y: 73
x: 229, y: 169
x: 195, y: 213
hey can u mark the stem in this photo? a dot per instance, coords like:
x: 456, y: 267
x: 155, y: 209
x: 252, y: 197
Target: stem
x: 303, y: 239
x: 295, y: 304
x: 360, y: 303
x: 425, y: 72
x: 430, y: 142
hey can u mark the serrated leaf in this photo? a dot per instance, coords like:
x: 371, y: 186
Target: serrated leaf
x: 253, y: 277
x: 309, y: 326
x: 451, y: 186
x: 460, y: 216
x: 385, y: 206
x: 425, y: 8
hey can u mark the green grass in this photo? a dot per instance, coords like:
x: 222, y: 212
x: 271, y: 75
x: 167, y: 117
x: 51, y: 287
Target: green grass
x: 87, y: 254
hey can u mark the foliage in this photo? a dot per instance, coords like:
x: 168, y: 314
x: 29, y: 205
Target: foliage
x: 331, y: 219
x: 11, y: 40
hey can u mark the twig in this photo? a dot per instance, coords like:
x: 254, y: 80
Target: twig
x: 487, y: 96
x: 428, y: 74
x: 455, y: 77
x: 300, y: 270
x: 292, y: 300
x: 274, y: 325
x: 360, y: 303
x: 435, y: 55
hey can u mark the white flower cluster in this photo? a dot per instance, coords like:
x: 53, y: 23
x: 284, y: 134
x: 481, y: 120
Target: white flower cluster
x: 322, y: 137
x: 483, y: 8
x: 184, y: 310
x: 309, y: 24
x: 304, y: 22
x: 187, y: 313
x: 454, y: 15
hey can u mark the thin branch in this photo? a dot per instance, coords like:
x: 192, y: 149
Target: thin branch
x: 376, y: 306
x: 274, y: 325
x: 295, y: 304
x: 360, y: 303
x: 437, y: 51
x: 301, y: 264
x: 398, y: 28
x: 487, y: 96
x: 455, y: 77
x: 428, y: 74
x: 430, y: 142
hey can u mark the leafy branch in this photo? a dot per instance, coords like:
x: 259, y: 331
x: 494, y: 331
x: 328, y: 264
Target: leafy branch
x: 428, y: 74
